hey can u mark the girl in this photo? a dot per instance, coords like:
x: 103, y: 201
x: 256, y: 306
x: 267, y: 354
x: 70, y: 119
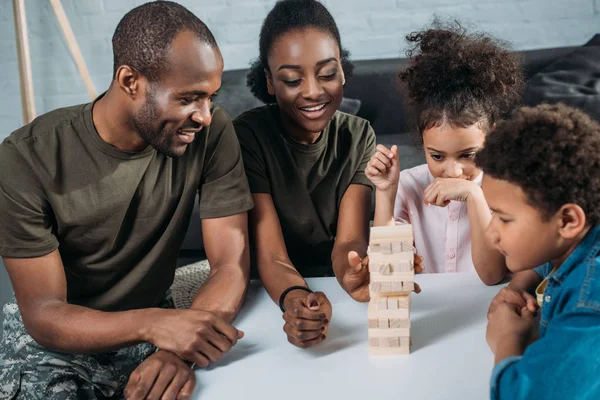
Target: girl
x: 305, y: 163
x: 459, y: 85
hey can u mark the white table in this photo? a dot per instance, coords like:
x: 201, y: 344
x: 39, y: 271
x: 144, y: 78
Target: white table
x: 449, y: 357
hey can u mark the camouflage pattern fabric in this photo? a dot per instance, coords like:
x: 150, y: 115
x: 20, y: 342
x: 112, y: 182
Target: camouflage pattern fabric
x: 31, y: 371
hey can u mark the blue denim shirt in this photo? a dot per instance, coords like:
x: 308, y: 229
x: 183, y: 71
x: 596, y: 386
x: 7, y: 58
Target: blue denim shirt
x: 564, y: 363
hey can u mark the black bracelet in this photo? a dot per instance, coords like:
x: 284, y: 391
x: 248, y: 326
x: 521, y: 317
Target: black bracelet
x: 286, y: 291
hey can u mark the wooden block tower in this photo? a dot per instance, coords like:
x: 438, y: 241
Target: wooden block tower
x: 391, y: 265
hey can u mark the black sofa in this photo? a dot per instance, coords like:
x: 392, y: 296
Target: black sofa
x: 374, y: 84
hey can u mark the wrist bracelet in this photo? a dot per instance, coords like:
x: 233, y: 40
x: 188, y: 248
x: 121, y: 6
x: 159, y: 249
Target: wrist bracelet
x: 286, y: 291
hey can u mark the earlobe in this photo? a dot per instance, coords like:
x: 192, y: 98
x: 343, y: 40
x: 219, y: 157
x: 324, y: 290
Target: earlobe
x: 572, y: 220
x: 270, y: 88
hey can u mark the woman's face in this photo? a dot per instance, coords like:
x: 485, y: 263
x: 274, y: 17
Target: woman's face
x: 450, y: 151
x: 305, y: 75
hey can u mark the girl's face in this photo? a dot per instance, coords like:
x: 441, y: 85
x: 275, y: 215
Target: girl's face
x: 307, y: 79
x: 450, y: 151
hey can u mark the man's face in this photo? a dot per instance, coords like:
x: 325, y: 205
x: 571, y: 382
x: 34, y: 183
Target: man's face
x: 517, y: 229
x: 178, y: 106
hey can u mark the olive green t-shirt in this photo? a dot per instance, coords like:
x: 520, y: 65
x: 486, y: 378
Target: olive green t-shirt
x: 117, y: 218
x: 306, y: 181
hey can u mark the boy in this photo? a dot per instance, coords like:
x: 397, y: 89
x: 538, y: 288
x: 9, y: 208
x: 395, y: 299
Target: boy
x: 542, y: 181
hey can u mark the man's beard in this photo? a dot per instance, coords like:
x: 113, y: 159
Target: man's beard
x: 159, y: 139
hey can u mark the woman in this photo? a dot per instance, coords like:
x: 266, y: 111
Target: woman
x: 305, y: 162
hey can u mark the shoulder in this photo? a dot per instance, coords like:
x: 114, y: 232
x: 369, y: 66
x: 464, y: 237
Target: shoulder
x: 356, y: 126
x: 255, y: 117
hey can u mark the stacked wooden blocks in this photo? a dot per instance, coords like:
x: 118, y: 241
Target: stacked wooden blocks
x: 391, y: 265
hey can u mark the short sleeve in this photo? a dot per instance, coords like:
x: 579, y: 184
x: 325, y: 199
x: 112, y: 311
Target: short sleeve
x: 25, y: 213
x: 369, y: 149
x: 224, y: 187
x: 254, y: 161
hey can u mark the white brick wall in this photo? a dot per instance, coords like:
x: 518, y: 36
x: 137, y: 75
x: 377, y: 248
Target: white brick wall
x: 369, y: 29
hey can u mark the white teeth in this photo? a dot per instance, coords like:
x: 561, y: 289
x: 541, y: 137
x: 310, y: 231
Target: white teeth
x: 315, y: 108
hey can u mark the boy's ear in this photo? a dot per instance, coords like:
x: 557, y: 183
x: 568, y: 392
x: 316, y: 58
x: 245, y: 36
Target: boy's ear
x: 572, y: 220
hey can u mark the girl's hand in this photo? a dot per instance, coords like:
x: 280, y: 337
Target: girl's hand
x: 384, y: 168
x: 442, y: 190
x: 307, y: 319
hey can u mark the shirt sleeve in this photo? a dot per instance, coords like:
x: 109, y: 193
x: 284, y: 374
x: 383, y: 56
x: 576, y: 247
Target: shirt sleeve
x: 26, y: 216
x: 369, y: 149
x: 254, y: 161
x: 561, y: 365
x: 224, y: 187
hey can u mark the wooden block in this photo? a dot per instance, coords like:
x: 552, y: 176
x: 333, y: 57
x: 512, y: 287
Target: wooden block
x: 390, y: 332
x: 400, y: 276
x: 381, y: 303
x: 383, y: 323
x: 374, y: 323
x: 374, y: 342
x: 398, y: 268
x: 386, y: 248
x: 399, y: 323
x: 379, y: 233
x: 387, y: 289
x: 404, y: 301
x: 405, y: 342
x: 374, y: 313
x: 379, y: 257
x: 408, y: 286
x: 392, y: 302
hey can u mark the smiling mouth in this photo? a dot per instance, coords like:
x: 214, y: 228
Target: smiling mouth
x: 318, y: 107
x: 314, y: 112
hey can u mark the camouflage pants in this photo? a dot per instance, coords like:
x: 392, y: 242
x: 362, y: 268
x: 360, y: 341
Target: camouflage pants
x: 34, y: 372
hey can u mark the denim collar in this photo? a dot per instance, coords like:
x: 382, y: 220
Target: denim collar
x: 588, y: 248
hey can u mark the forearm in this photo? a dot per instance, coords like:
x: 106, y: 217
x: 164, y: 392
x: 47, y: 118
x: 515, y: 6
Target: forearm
x: 75, y: 329
x: 384, y: 207
x: 525, y: 280
x: 487, y: 260
x: 277, y: 273
x: 339, y: 256
x: 224, y: 291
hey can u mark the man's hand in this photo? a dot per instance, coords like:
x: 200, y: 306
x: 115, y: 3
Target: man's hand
x: 509, y: 326
x: 383, y: 169
x: 514, y: 296
x: 197, y: 336
x: 307, y: 319
x: 164, y: 376
x: 442, y: 190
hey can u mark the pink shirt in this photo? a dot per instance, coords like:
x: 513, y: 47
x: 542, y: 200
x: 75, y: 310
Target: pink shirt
x: 442, y: 234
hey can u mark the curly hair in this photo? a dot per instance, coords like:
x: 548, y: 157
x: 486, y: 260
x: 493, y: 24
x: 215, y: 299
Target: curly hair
x: 552, y: 152
x: 459, y: 78
x: 286, y: 16
x: 143, y: 37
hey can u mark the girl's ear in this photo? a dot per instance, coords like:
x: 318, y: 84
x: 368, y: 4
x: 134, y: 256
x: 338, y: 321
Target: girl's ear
x: 572, y: 220
x: 270, y: 88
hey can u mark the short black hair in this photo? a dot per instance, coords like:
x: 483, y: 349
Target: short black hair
x: 288, y: 15
x: 552, y: 152
x: 460, y: 78
x: 143, y: 37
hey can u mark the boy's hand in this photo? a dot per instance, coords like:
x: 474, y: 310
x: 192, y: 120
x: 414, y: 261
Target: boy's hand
x: 193, y: 335
x: 384, y: 168
x: 515, y: 296
x: 163, y: 375
x: 509, y: 323
x: 307, y: 319
x: 442, y: 190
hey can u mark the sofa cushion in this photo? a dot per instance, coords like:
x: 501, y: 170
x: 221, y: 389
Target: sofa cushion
x: 573, y: 79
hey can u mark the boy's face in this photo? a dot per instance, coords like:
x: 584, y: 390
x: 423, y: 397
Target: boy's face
x: 517, y: 229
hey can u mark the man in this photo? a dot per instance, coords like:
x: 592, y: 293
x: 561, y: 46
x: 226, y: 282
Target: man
x: 94, y: 204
